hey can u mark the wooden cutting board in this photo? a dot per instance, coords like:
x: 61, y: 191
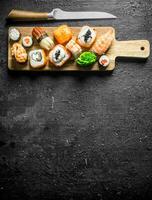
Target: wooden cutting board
x: 131, y: 49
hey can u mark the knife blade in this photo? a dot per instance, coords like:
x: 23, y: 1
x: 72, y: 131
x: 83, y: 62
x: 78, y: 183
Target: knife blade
x: 58, y: 14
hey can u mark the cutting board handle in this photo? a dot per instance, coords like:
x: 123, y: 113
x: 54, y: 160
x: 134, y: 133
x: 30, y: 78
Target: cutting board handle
x: 27, y: 15
x: 133, y: 48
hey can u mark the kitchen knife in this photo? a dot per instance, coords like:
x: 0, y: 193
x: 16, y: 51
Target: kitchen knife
x: 57, y: 14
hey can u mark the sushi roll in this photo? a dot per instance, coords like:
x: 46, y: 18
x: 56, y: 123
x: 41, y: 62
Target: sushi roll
x: 19, y: 53
x: 27, y: 41
x: 104, y: 61
x: 103, y: 43
x: 59, y: 55
x: 14, y: 34
x: 62, y: 34
x: 86, y: 37
x: 37, y: 58
x: 74, y: 48
x: 43, y: 39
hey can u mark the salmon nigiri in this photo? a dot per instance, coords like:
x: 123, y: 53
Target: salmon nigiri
x: 103, y: 43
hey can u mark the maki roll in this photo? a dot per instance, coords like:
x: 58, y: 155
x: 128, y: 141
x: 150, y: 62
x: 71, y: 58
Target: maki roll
x: 19, y: 53
x: 27, y: 41
x: 103, y: 43
x: 74, y: 48
x: 43, y: 39
x: 59, y: 55
x: 86, y: 37
x: 37, y: 58
x: 104, y: 61
x: 62, y: 34
x: 14, y: 34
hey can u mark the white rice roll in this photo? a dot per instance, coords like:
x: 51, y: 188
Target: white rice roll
x: 104, y: 61
x: 59, y: 55
x: 86, y: 36
x: 14, y: 34
x: 37, y: 58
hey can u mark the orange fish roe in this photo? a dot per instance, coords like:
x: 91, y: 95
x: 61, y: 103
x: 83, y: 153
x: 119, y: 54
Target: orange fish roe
x: 63, y: 34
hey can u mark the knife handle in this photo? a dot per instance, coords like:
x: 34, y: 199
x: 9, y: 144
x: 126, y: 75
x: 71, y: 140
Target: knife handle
x: 21, y: 15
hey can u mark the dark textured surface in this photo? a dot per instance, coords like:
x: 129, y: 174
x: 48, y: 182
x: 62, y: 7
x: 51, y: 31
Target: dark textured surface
x: 78, y: 136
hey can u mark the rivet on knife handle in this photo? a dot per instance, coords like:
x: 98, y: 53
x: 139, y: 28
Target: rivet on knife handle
x: 28, y: 15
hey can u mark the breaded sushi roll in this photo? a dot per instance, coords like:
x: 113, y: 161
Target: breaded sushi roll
x: 59, y: 55
x: 74, y: 48
x: 103, y: 43
x: 19, y: 53
x: 86, y: 37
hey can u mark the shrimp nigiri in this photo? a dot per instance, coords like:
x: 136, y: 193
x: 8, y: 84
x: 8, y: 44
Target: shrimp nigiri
x: 103, y: 43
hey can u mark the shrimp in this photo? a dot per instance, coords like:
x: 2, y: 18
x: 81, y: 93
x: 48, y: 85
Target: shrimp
x: 103, y: 43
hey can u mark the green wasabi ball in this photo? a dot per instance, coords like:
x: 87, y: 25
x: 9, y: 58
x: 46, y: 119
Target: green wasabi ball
x: 86, y: 58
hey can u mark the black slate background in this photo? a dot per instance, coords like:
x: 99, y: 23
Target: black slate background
x: 78, y: 136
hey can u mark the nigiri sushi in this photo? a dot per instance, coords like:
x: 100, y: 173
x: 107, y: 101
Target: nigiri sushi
x: 37, y: 58
x: 74, y: 48
x: 86, y: 37
x: 19, y: 53
x: 62, y: 34
x: 59, y: 55
x: 43, y: 39
x: 103, y: 43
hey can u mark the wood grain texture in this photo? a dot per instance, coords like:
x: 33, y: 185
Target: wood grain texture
x: 130, y: 49
x: 74, y: 136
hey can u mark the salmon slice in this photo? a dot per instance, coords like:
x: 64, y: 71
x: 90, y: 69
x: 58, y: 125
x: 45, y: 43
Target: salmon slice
x: 103, y: 43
